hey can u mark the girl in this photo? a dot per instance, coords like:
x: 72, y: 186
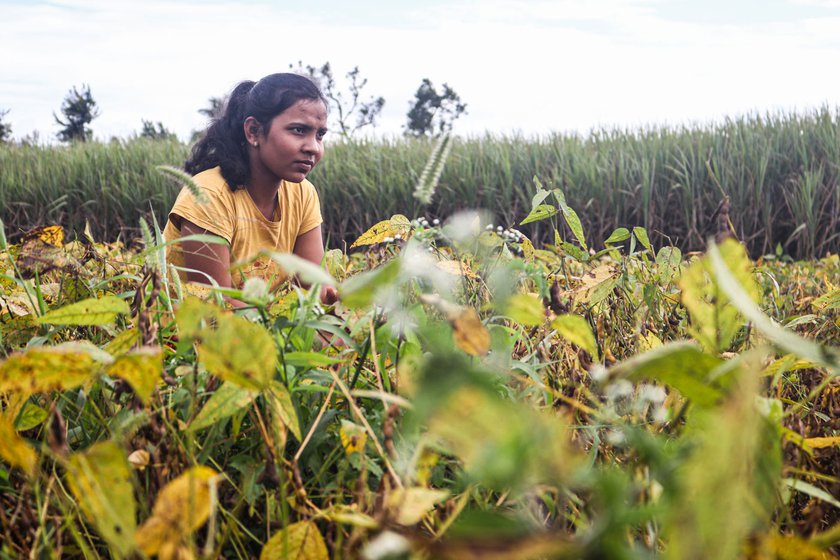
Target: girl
x: 252, y: 165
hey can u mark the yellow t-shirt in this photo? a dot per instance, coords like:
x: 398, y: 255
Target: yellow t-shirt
x: 232, y: 215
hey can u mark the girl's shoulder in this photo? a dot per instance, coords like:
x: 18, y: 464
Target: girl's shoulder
x: 212, y: 182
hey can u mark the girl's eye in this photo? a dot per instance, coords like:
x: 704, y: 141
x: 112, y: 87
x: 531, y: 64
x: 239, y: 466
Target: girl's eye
x: 297, y: 129
x: 321, y: 134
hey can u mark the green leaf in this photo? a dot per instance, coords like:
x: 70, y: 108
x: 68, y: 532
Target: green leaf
x: 576, y: 330
x: 230, y: 346
x: 640, y: 233
x: 30, y: 417
x: 526, y: 309
x: 308, y: 272
x: 668, y: 261
x: 541, y: 212
x: 280, y: 403
x: 714, y: 320
x: 538, y: 199
x: 575, y: 252
x: 92, y: 311
x: 617, y: 236
x: 571, y: 217
x: 298, y: 541
x: 359, y: 291
x: 226, y: 401
x: 100, y: 480
x: 308, y: 359
x: 681, y: 365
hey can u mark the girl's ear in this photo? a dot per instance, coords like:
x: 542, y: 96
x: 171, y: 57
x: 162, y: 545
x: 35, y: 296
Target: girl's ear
x: 252, y: 129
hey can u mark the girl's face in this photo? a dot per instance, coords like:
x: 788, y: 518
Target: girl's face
x: 294, y: 143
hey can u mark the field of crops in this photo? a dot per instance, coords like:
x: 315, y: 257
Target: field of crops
x: 473, y: 395
x: 781, y: 173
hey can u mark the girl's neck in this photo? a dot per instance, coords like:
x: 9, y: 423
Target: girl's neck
x: 263, y: 191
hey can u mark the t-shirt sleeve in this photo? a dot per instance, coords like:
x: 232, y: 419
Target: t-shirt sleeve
x: 216, y: 215
x: 310, y: 208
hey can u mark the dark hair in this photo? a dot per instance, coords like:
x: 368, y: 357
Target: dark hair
x: 223, y: 144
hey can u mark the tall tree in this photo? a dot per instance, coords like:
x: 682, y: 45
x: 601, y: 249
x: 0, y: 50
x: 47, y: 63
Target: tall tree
x: 5, y: 128
x: 79, y: 109
x: 215, y: 108
x: 156, y: 131
x: 433, y: 113
x: 350, y: 110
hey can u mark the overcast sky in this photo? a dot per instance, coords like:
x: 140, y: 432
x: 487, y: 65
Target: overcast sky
x: 522, y: 66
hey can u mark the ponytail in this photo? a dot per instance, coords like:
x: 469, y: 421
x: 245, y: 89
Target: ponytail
x: 224, y: 144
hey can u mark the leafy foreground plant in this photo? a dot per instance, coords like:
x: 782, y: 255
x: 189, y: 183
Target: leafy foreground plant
x: 472, y: 396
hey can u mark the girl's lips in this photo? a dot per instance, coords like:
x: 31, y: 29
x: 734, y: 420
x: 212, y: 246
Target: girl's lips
x: 304, y: 165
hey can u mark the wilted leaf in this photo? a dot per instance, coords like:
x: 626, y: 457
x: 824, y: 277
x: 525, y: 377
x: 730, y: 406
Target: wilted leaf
x: 822, y: 442
x: 100, y: 480
x: 412, y: 504
x: 279, y: 401
x: 576, y: 330
x: 139, y: 459
x: 471, y: 335
x: 456, y: 268
x: 181, y: 507
x: 48, y: 368
x: 52, y: 235
x: 92, y: 311
x: 397, y: 225
x: 14, y: 450
x: 353, y: 437
x: 141, y: 368
x: 298, y: 541
x: 597, y: 284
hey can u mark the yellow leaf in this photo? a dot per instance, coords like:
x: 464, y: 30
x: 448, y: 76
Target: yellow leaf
x: 456, y: 268
x: 182, y: 506
x: 425, y: 465
x: 596, y: 284
x: 649, y: 342
x: 298, y: 541
x: 123, y: 342
x: 226, y: 401
x: 411, y: 504
x: 52, y: 235
x: 576, y: 330
x: 471, y: 335
x: 526, y: 309
x: 822, y: 442
x: 141, y: 368
x: 92, y: 311
x: 397, y: 225
x: 100, y: 480
x: 14, y: 450
x: 353, y: 437
x: 43, y: 369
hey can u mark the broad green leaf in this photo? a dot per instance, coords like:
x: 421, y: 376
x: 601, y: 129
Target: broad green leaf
x: 279, y: 402
x: 668, y: 261
x: 359, y: 291
x: 681, y: 365
x: 308, y: 359
x: 571, y: 217
x: 575, y: 252
x: 641, y: 234
x: 230, y: 347
x: 410, y: 505
x: 30, y: 417
x: 50, y: 368
x: 576, y: 330
x: 100, y: 480
x: 306, y: 271
x: 617, y: 236
x: 538, y: 199
x: 781, y: 337
x: 526, y: 309
x: 541, y: 212
x: 14, y: 450
x: 92, y: 311
x: 298, y: 541
x: 181, y: 507
x: 142, y: 369
x: 397, y: 225
x: 714, y: 320
x: 226, y: 401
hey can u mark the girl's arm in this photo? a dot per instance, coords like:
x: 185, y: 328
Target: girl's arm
x: 211, y: 259
x: 310, y: 246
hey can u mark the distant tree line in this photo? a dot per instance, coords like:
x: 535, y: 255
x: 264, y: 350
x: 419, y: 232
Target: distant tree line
x: 432, y: 112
